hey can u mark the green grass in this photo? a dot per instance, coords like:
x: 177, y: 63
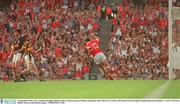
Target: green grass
x: 86, y: 89
x: 173, y: 90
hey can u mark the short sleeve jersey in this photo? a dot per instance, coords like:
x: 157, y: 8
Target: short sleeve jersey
x: 93, y: 47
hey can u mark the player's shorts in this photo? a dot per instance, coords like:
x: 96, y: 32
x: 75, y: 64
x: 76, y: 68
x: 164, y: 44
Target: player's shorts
x: 29, y: 59
x: 17, y: 57
x: 98, y: 58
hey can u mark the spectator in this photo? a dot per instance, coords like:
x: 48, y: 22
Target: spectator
x: 59, y: 27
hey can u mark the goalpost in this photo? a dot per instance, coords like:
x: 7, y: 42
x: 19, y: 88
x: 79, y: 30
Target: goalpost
x: 174, y: 40
x: 170, y: 40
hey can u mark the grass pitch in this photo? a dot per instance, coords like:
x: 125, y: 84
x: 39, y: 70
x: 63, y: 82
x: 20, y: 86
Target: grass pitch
x: 89, y: 89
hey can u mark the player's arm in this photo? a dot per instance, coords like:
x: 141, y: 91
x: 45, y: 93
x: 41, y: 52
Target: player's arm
x: 86, y: 51
x: 89, y: 59
x: 89, y: 56
x: 38, y: 50
x: 11, y: 53
x: 94, y: 37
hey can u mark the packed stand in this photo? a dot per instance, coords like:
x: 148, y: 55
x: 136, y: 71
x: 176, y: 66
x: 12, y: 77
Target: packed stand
x: 57, y: 30
x: 138, y: 47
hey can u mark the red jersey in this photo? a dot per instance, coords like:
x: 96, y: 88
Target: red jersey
x: 93, y: 47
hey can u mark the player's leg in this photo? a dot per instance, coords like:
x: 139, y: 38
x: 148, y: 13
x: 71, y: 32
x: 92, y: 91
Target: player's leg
x: 29, y: 60
x: 14, y: 66
x: 101, y: 60
x: 34, y: 70
x: 41, y: 66
x: 103, y: 71
x: 18, y: 63
x: 38, y: 73
x: 28, y: 69
x: 107, y: 69
x: 97, y: 60
x: 28, y: 64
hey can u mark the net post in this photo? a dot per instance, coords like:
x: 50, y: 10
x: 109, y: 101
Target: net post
x: 170, y: 40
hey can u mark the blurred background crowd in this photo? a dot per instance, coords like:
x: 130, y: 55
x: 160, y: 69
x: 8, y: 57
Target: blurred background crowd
x: 138, y: 47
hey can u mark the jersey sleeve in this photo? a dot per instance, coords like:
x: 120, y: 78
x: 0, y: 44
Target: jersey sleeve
x: 97, y: 41
x: 87, y: 46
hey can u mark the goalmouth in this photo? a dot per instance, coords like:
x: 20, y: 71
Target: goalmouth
x: 174, y: 41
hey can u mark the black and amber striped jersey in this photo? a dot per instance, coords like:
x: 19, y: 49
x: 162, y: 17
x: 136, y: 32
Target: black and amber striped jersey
x: 27, y: 47
x: 19, y: 43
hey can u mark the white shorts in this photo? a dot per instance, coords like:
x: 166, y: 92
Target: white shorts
x: 17, y: 57
x: 98, y: 58
x: 29, y: 60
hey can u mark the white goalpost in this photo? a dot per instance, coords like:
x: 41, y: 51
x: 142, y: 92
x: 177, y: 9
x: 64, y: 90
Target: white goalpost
x: 170, y: 41
x: 173, y: 40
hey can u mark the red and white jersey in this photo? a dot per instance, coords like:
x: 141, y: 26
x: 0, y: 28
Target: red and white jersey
x: 93, y: 47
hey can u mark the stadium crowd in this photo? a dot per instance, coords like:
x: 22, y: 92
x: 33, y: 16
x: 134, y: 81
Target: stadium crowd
x: 138, y: 46
x: 139, y: 40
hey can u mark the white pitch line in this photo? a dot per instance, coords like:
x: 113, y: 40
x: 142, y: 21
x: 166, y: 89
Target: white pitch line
x: 159, y: 92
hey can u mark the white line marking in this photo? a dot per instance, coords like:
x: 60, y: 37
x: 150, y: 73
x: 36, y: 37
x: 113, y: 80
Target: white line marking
x: 160, y: 91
